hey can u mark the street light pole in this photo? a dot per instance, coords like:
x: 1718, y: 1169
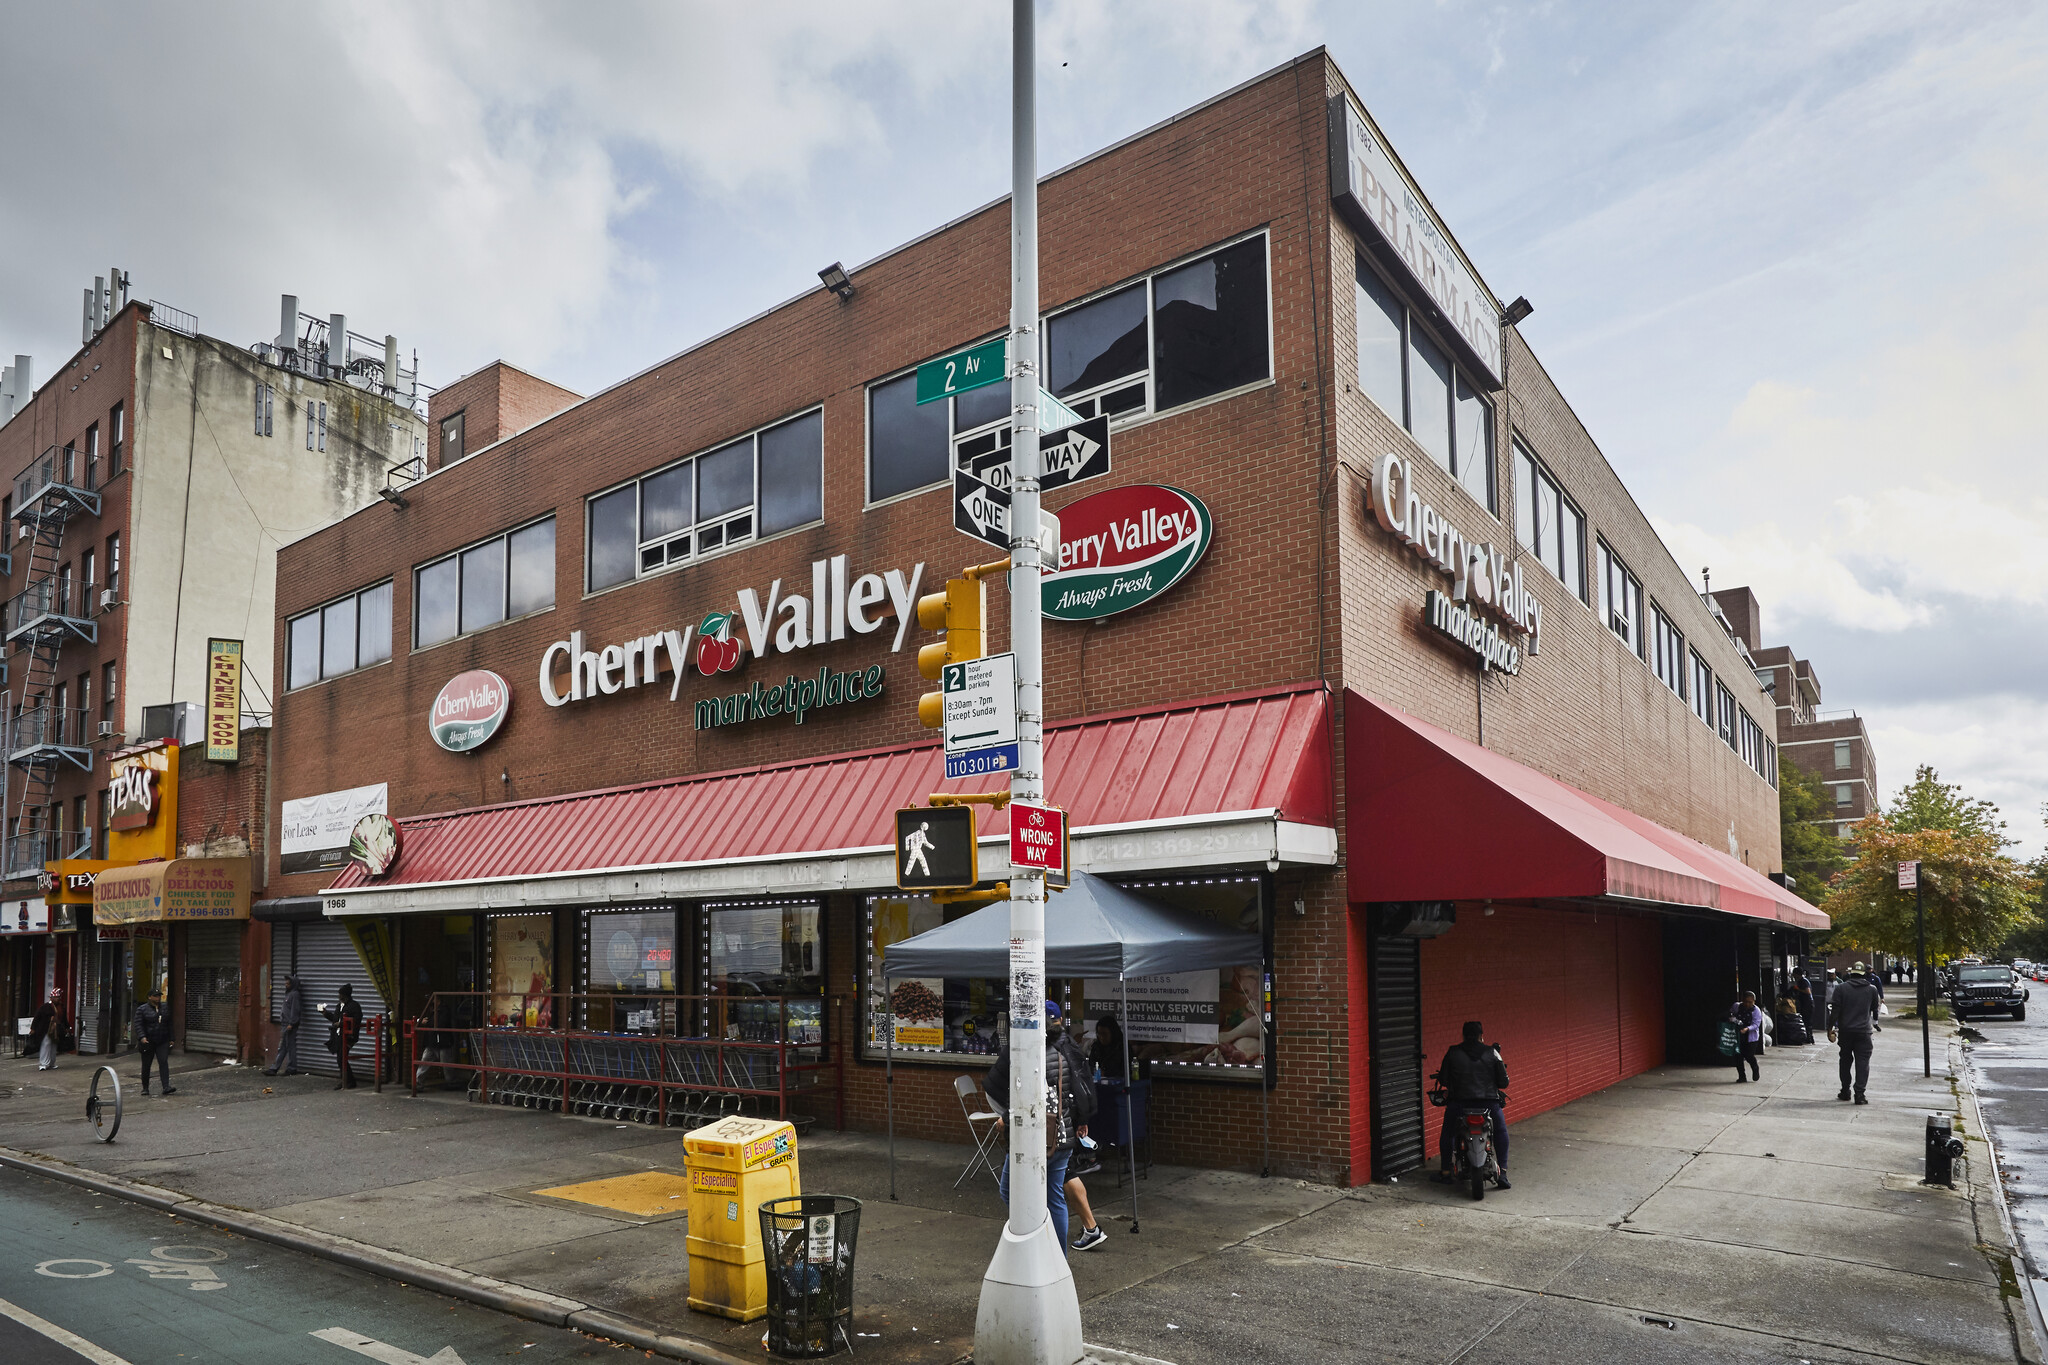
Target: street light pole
x: 1029, y: 1312
x: 1920, y: 971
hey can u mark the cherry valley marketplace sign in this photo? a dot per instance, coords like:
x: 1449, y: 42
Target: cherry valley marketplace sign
x: 1122, y: 547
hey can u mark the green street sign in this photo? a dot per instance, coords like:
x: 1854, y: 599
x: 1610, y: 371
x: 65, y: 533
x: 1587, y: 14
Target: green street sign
x: 961, y: 371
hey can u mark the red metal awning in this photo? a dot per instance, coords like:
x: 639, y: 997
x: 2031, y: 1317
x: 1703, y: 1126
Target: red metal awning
x: 1267, y: 752
x: 1436, y: 817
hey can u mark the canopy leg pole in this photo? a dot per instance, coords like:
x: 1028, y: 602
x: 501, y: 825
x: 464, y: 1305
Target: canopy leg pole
x: 889, y: 1070
x: 1130, y: 1080
x: 1265, y: 1129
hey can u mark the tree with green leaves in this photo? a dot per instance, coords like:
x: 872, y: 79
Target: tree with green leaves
x: 1811, y: 852
x: 1977, y: 895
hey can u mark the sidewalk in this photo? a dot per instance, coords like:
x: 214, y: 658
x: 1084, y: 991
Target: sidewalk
x: 1676, y: 1217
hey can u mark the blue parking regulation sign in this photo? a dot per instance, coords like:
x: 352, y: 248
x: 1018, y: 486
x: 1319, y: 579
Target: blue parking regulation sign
x: 997, y: 758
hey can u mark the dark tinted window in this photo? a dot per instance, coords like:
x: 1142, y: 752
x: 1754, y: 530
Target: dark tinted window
x: 612, y: 539
x: 979, y: 407
x: 793, y: 473
x: 906, y: 442
x: 1209, y: 325
x: 373, y: 625
x: 531, y: 583
x: 338, y: 637
x: 1098, y: 342
x: 434, y: 616
x: 666, y: 503
x: 725, y: 479
x: 305, y: 647
x: 1429, y: 397
x: 1381, y: 322
x: 483, y: 586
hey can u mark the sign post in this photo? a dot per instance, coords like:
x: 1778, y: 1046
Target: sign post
x: 1029, y: 1313
x: 1909, y: 880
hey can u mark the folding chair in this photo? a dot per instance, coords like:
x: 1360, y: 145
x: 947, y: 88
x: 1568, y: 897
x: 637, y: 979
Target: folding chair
x: 968, y: 1090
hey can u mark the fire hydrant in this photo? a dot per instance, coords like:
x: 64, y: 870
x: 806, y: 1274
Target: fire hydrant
x: 1943, y: 1147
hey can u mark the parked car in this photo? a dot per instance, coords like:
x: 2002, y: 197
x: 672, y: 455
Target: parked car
x: 1987, y: 988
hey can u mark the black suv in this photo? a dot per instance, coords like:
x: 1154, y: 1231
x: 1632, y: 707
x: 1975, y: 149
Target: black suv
x: 1986, y: 988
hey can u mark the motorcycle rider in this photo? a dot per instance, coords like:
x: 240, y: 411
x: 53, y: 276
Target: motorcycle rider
x: 1477, y: 1080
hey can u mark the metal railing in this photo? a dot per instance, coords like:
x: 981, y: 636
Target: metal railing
x: 45, y: 727
x: 173, y: 319
x: 49, y: 597
x: 25, y: 854
x: 624, y: 1058
x: 57, y: 467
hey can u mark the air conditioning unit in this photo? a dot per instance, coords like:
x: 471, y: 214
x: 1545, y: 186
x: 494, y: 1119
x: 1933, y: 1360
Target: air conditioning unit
x: 106, y: 729
x: 178, y: 722
x: 109, y: 599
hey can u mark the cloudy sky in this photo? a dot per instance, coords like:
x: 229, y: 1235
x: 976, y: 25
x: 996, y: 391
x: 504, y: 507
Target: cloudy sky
x: 1786, y: 259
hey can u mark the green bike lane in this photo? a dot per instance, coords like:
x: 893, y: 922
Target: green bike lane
x: 143, y: 1287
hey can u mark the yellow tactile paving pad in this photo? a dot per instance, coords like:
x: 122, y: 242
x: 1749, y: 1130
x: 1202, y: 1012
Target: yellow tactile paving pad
x: 646, y: 1194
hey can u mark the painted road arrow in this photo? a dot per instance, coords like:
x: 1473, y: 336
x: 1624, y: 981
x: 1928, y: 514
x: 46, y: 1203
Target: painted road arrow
x: 379, y: 1351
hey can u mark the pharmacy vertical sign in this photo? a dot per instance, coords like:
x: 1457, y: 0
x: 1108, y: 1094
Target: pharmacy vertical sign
x: 223, y: 701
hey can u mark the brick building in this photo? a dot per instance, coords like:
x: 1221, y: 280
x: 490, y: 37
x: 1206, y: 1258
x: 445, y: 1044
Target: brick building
x: 153, y: 476
x: 1407, y: 689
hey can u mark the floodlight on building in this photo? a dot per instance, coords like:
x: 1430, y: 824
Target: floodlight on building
x: 1518, y: 310
x: 837, y: 280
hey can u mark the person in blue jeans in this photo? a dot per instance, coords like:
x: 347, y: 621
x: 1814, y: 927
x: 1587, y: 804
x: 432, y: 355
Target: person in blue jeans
x: 1070, y: 1103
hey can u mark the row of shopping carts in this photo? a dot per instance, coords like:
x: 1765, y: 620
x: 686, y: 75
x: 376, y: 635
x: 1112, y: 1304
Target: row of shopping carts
x: 615, y: 1078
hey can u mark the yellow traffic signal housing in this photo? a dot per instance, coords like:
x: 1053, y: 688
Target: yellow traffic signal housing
x: 961, y: 611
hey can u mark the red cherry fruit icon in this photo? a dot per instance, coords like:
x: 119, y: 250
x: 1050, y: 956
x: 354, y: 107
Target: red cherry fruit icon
x: 710, y: 651
x: 729, y: 656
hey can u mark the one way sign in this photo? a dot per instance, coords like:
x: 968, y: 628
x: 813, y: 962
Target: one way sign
x: 981, y: 511
x: 1074, y: 453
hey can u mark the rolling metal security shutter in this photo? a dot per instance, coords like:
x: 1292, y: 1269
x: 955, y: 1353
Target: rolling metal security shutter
x: 326, y: 958
x: 213, y: 987
x: 1398, y: 1131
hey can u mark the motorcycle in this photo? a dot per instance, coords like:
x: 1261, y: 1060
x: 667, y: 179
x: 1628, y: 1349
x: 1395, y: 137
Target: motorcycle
x: 1472, y: 1155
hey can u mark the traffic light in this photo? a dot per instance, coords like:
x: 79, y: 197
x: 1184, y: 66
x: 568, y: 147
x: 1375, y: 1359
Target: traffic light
x: 960, y: 611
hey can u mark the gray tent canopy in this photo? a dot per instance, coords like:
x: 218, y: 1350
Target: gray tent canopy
x: 1093, y: 929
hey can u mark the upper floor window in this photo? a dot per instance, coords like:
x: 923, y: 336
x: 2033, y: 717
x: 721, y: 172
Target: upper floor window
x: 350, y: 633
x: 1845, y: 794
x: 117, y: 431
x: 1841, y: 753
x: 1413, y: 379
x: 92, y: 456
x: 503, y: 577
x: 451, y: 439
x: 1621, y: 600
x: 766, y: 482
x: 114, y: 563
x: 1547, y: 523
x: 1178, y: 336
x: 1725, y: 706
x: 1667, y: 650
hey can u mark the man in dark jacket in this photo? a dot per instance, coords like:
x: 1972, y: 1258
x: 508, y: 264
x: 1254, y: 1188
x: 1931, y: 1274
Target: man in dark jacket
x: 350, y: 1025
x: 1477, y: 1080
x: 1070, y: 1103
x: 43, y: 1030
x: 1852, y: 1025
x: 153, y: 1040
x: 289, y: 1014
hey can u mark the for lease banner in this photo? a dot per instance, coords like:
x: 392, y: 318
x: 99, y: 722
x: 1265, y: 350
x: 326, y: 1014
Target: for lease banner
x: 316, y: 828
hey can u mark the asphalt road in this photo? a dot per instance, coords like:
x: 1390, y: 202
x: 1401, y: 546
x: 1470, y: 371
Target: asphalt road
x: 87, y: 1278
x: 2011, y: 1066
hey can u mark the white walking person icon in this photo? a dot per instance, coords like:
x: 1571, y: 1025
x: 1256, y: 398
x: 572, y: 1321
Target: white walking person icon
x: 914, y: 845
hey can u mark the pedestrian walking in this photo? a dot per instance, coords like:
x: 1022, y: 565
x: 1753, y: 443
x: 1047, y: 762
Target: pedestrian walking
x: 346, y: 1025
x: 43, y: 1029
x: 290, y: 1014
x: 1070, y: 1103
x: 1750, y: 1044
x: 1852, y: 1026
x: 153, y: 1040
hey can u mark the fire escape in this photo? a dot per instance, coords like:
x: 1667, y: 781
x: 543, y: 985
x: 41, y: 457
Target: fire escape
x: 46, y: 738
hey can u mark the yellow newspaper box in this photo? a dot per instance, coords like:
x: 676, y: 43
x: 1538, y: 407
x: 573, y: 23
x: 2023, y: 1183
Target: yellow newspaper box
x: 735, y: 1165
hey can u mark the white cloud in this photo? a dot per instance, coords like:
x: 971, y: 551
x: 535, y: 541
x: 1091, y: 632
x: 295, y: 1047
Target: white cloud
x: 1796, y: 577
x: 1990, y: 744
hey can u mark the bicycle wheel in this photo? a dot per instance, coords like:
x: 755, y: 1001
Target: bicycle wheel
x: 103, y: 1106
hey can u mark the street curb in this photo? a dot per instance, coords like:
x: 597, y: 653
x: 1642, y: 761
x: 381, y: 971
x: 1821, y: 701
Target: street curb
x: 501, y: 1296
x: 2037, y: 1328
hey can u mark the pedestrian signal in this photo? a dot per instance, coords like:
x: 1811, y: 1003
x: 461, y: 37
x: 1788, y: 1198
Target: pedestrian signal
x: 960, y: 611
x: 935, y: 848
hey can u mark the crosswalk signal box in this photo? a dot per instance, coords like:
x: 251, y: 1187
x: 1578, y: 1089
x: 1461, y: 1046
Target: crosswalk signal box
x: 935, y: 848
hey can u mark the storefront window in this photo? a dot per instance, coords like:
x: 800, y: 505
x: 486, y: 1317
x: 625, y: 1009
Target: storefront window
x: 631, y: 958
x: 772, y: 949
x: 954, y: 1018
x: 523, y: 970
x: 1210, y: 1023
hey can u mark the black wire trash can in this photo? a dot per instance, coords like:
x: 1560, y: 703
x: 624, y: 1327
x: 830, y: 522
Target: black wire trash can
x: 808, y: 1243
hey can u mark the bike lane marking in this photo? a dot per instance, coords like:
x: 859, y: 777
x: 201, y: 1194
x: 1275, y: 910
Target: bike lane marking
x: 68, y: 1339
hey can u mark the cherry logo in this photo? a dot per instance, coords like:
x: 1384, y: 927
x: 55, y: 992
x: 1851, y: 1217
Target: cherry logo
x: 717, y: 651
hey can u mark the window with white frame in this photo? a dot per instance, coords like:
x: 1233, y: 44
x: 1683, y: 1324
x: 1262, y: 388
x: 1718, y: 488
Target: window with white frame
x: 761, y: 484
x: 1702, y: 689
x: 1415, y: 382
x: 1621, y: 599
x: 1845, y: 795
x: 1547, y: 524
x: 506, y: 576
x: 346, y: 634
x: 1841, y: 753
x: 1724, y: 702
x: 1667, y: 650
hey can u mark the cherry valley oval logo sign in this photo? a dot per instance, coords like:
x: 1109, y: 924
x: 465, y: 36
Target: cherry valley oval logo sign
x: 469, y: 710
x: 1122, y: 547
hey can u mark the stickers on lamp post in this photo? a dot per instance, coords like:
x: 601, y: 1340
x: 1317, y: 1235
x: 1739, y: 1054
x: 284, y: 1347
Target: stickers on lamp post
x: 469, y: 710
x: 1122, y: 547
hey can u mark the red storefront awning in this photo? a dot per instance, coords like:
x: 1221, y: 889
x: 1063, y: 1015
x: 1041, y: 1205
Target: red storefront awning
x: 1436, y: 817
x: 1266, y: 754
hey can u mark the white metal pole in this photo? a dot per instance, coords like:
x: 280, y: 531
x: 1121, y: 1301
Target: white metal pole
x: 1029, y: 1313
